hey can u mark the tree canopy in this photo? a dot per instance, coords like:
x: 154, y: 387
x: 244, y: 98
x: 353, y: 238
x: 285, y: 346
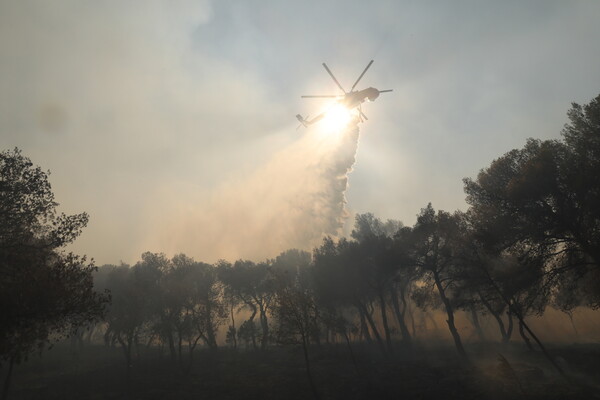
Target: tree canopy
x: 44, y: 292
x: 543, y: 199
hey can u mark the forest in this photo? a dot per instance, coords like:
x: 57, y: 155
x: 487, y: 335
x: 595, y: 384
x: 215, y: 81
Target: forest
x: 442, y: 308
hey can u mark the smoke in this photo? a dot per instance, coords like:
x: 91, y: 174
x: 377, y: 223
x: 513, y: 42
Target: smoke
x: 292, y: 200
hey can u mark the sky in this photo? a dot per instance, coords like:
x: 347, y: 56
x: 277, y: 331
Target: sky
x: 171, y: 123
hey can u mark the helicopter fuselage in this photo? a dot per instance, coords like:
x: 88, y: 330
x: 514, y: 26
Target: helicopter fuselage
x: 354, y: 99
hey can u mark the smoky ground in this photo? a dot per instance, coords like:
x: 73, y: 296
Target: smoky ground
x: 429, y: 370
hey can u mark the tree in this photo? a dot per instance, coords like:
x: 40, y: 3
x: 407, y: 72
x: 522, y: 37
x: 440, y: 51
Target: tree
x: 251, y: 283
x: 403, y: 283
x: 571, y: 291
x: 475, y: 292
x: 294, y: 268
x: 177, y: 300
x: 295, y: 311
x: 517, y: 275
x: 44, y: 292
x: 340, y: 280
x: 247, y: 333
x: 162, y: 306
x: 545, y: 196
x: 434, y: 244
x: 129, y: 311
x: 378, y: 266
x: 335, y: 286
x: 200, y: 294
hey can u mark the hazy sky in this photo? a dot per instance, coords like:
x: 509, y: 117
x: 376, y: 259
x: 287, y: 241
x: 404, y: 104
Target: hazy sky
x: 172, y: 122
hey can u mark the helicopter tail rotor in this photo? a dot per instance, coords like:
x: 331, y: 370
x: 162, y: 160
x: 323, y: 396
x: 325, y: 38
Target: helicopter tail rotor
x: 303, y: 121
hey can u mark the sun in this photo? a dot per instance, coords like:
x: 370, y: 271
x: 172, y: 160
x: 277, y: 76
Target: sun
x: 336, y: 118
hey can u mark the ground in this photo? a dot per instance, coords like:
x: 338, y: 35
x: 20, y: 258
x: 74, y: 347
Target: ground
x: 98, y: 372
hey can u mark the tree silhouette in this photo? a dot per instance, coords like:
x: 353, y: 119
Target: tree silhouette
x: 128, y: 313
x: 545, y: 196
x: 343, y: 278
x: 203, y: 306
x: 251, y: 283
x: 296, y: 315
x: 435, y: 238
x: 44, y: 293
x: 378, y: 264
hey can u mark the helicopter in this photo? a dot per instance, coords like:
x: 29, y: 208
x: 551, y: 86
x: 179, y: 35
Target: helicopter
x: 351, y: 100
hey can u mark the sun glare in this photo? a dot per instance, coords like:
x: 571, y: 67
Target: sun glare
x: 336, y: 118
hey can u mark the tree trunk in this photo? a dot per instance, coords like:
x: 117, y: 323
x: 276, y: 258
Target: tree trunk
x: 400, y: 316
x: 126, y: 346
x: 136, y: 342
x: 364, y: 329
x: 254, y: 311
x: 497, y: 317
x: 509, y: 331
x: 179, y: 346
x: 543, y: 348
x: 524, y: 336
x: 264, y: 324
x: 77, y: 341
x: 191, y: 347
x: 211, y: 338
x: 90, y: 333
x: 450, y: 320
x: 374, y: 329
x: 386, y: 328
x: 107, y: 337
x: 570, y: 315
x: 234, y: 330
x: 313, y: 388
x: 316, y: 332
x: 171, y: 345
x: 413, y: 325
x: 350, y: 350
x: 475, y: 320
x: 512, y: 310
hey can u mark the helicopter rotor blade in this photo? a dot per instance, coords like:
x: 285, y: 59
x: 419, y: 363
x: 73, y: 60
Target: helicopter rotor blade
x: 321, y: 96
x: 361, y: 75
x: 333, y: 77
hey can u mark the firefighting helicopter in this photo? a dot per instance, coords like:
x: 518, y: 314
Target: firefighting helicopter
x: 351, y: 100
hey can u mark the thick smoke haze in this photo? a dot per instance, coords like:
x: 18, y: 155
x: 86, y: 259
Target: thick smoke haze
x: 291, y: 201
x: 146, y: 113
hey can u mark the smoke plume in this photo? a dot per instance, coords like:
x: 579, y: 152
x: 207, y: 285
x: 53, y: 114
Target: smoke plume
x: 292, y: 201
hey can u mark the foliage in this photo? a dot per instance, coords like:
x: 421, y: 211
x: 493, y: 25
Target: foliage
x: 44, y: 292
x: 541, y: 201
x: 177, y: 301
